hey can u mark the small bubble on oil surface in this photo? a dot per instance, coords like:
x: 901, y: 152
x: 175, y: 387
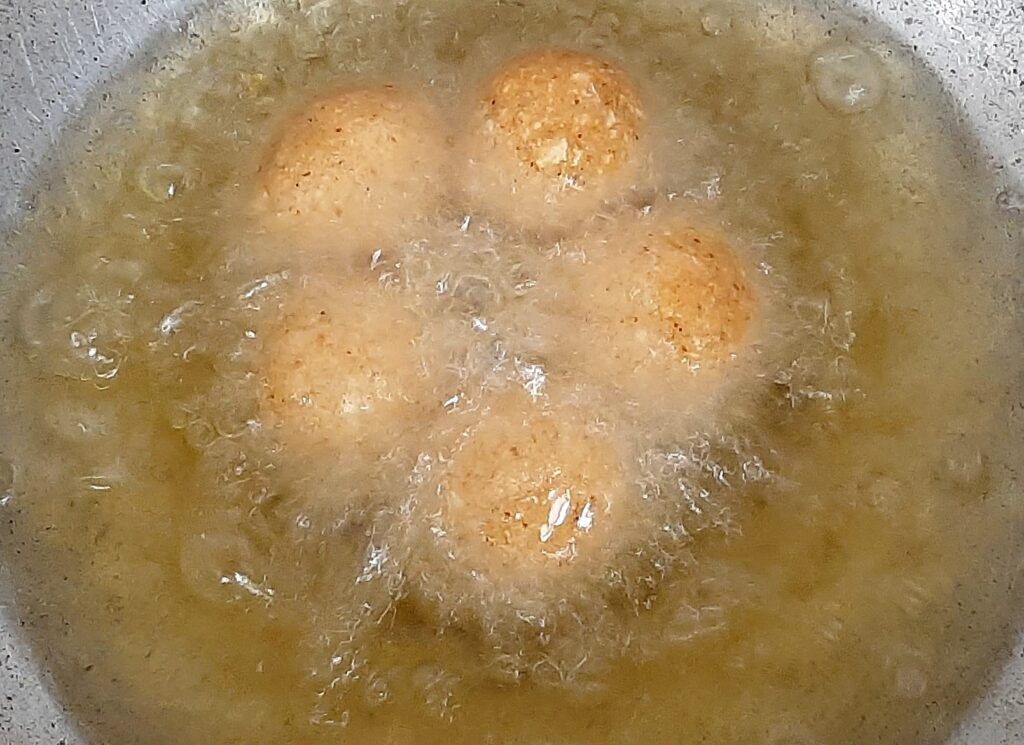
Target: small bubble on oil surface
x: 78, y: 422
x: 6, y: 482
x: 715, y: 21
x: 910, y: 682
x: 162, y: 182
x: 213, y: 566
x: 1011, y: 200
x: 846, y: 79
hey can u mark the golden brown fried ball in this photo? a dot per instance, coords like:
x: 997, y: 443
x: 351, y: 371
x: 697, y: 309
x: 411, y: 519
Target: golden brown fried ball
x: 533, y: 497
x: 365, y: 159
x: 341, y: 370
x: 555, y: 133
x: 654, y: 299
x: 528, y: 530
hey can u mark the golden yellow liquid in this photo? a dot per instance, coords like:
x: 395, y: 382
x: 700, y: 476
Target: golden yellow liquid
x: 847, y: 576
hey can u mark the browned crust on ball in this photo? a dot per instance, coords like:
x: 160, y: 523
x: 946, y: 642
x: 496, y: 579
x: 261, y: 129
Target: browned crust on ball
x: 553, y: 136
x: 356, y: 155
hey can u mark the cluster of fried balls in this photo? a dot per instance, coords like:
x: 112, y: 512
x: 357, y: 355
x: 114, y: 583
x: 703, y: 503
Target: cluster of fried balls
x: 531, y: 492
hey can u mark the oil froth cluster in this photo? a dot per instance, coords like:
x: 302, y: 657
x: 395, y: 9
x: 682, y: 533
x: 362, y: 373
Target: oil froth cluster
x: 523, y: 517
x: 437, y: 401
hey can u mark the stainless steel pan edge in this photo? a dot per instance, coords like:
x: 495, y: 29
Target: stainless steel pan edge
x: 52, y: 53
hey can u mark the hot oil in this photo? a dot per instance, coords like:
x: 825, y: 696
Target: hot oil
x: 819, y: 533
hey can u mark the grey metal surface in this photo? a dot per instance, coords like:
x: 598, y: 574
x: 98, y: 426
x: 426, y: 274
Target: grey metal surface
x: 52, y: 52
x: 976, y: 49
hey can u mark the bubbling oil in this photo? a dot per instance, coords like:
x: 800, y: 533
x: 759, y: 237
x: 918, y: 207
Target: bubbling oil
x: 215, y: 463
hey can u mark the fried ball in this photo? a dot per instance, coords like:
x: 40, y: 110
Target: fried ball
x: 532, y: 498
x: 341, y: 371
x: 363, y: 158
x: 555, y: 133
x: 528, y: 493
x: 531, y: 529
x: 661, y: 299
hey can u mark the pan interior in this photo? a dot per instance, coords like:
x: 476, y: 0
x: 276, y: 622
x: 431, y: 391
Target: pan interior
x: 851, y: 513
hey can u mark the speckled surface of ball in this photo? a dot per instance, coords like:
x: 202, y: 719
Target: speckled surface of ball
x: 364, y: 159
x: 341, y: 371
x: 553, y: 135
x: 533, y: 498
x: 663, y: 300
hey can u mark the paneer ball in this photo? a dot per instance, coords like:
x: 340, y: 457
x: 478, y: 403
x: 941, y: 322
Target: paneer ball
x: 553, y: 135
x: 341, y: 370
x: 363, y: 159
x: 532, y: 499
x: 659, y: 299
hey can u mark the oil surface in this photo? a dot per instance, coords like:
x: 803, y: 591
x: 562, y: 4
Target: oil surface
x: 826, y: 552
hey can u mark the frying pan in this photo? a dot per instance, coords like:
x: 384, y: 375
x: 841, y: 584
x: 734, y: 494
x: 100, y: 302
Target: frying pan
x: 53, y: 52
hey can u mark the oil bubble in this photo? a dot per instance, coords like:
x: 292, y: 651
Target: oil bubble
x: 6, y: 482
x: 453, y: 49
x: 1011, y: 200
x: 200, y: 434
x: 715, y: 21
x: 238, y: 474
x: 79, y: 423
x: 214, y: 566
x: 126, y: 272
x: 78, y: 331
x: 34, y: 316
x: 162, y: 182
x: 90, y: 358
x: 597, y: 31
x: 105, y: 477
x: 179, y: 415
x: 910, y: 682
x: 965, y: 467
x: 437, y: 687
x: 171, y: 323
x: 474, y: 294
x: 378, y: 690
x: 236, y: 416
x: 846, y: 79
